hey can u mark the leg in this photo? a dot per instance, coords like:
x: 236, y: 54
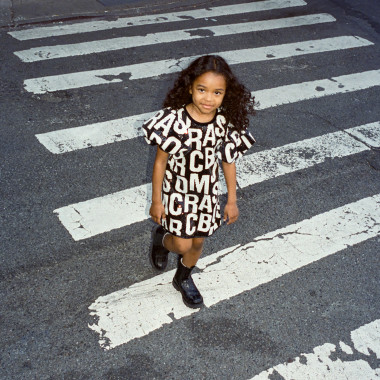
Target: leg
x: 190, y: 250
x: 191, y: 257
x: 176, y: 244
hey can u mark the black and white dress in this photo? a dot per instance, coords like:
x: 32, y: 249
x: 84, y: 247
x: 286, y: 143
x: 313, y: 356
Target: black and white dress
x: 190, y: 190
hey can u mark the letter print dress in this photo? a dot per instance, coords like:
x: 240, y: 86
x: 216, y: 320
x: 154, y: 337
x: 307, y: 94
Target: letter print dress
x: 190, y: 189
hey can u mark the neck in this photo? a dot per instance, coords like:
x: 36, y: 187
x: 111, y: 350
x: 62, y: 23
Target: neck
x: 197, y: 116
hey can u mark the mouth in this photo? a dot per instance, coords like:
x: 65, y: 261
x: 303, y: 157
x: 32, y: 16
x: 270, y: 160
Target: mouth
x: 207, y: 106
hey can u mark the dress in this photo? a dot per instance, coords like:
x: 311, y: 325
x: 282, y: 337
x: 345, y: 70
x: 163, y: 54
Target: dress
x: 190, y: 190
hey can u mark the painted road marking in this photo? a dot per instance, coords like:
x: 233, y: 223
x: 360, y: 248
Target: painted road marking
x: 144, y: 70
x: 70, y: 139
x: 268, y: 164
x: 146, y: 306
x: 98, y: 215
x: 319, y: 365
x: 296, y: 92
x: 107, y: 132
x: 71, y: 50
x: 125, y: 22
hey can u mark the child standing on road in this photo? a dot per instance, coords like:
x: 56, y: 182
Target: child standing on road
x: 205, y: 120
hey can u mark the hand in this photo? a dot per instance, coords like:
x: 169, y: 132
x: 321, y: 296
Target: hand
x: 157, y: 212
x: 231, y: 212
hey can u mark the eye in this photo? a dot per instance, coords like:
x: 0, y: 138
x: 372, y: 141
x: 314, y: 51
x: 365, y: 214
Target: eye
x: 201, y: 90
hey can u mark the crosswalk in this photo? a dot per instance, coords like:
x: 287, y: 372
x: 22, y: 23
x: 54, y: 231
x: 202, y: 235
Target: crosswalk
x: 84, y: 48
x: 153, y: 69
x: 319, y: 363
x: 86, y: 27
x: 146, y: 306
x: 136, y: 311
x: 99, y: 215
x: 98, y: 134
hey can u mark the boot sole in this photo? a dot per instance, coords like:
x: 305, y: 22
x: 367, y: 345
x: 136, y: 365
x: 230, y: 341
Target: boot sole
x: 191, y: 306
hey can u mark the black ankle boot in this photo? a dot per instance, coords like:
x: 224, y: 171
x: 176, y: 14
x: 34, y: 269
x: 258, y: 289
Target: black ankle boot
x: 183, y: 282
x: 158, y: 254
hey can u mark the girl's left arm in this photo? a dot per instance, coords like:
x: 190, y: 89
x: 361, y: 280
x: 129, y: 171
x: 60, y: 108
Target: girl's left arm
x: 231, y: 211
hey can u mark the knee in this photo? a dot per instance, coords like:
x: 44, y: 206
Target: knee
x: 197, y: 244
x: 182, y: 246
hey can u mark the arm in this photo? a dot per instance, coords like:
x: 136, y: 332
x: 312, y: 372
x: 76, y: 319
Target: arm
x: 231, y: 211
x: 157, y: 210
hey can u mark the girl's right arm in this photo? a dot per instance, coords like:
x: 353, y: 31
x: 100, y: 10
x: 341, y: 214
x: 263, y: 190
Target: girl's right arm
x: 157, y: 209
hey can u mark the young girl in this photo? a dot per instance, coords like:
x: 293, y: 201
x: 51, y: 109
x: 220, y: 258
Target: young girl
x: 205, y: 120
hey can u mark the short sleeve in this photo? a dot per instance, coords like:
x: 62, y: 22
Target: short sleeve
x: 168, y: 130
x: 235, y: 144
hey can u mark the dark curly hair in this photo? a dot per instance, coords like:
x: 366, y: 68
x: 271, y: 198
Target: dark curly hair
x: 238, y: 102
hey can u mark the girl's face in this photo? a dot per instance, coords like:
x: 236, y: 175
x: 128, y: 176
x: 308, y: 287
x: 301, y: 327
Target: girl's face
x: 207, y: 93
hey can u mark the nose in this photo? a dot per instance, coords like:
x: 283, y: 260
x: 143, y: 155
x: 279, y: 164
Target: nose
x: 208, y: 96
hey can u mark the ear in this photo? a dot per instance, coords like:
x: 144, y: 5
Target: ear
x: 190, y: 90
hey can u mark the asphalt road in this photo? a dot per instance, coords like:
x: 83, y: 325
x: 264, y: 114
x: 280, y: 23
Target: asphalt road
x: 50, y: 280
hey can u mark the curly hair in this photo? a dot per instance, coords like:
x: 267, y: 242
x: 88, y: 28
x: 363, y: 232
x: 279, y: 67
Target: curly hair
x: 238, y: 102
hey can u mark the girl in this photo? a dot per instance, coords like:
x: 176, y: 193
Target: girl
x: 205, y: 120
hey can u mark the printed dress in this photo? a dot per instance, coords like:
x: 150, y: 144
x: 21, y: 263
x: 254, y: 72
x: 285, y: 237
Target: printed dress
x: 190, y: 190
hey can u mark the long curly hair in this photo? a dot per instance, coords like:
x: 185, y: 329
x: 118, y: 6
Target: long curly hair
x: 238, y: 102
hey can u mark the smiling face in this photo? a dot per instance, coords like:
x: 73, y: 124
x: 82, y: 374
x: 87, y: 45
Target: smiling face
x: 207, y: 93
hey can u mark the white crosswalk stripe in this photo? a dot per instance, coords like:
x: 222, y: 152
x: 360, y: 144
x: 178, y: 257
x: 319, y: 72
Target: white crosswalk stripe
x: 85, y: 48
x: 95, y: 216
x: 67, y: 140
x: 146, y: 306
x: 319, y: 88
x: 71, y: 139
x: 95, y: 26
x: 319, y: 365
x: 152, y: 69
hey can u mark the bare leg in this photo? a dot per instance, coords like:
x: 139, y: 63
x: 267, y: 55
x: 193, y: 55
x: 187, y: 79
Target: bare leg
x: 191, y: 257
x: 189, y: 249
